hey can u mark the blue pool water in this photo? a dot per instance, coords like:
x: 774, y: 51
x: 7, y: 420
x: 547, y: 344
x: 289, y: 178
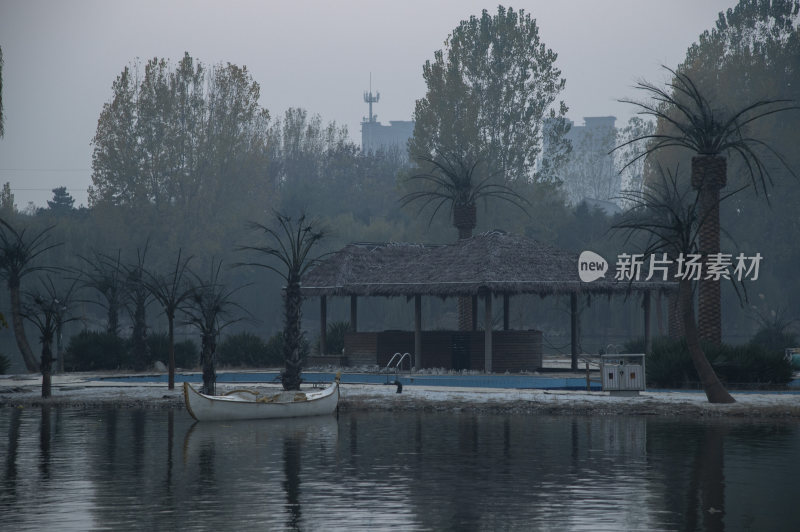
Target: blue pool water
x: 468, y: 381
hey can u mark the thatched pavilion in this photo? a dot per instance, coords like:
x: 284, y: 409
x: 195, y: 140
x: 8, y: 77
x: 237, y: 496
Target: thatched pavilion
x: 486, y: 265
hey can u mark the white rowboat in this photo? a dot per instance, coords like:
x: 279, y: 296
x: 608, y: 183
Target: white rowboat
x: 247, y: 404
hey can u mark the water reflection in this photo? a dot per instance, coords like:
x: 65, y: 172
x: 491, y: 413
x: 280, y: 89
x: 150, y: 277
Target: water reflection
x: 10, y: 476
x: 291, y: 467
x: 132, y: 469
x: 44, y: 442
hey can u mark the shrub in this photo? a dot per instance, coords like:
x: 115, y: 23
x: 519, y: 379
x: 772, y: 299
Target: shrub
x: 246, y: 350
x: 4, y: 364
x: 93, y: 351
x: 275, y: 348
x: 670, y: 365
x: 749, y: 364
x: 774, y: 340
x: 334, y: 339
x: 186, y: 353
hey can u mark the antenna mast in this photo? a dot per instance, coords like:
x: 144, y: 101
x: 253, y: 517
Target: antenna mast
x: 370, y: 99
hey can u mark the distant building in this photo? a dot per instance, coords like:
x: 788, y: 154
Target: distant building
x: 591, y: 174
x: 376, y: 136
x: 597, y: 132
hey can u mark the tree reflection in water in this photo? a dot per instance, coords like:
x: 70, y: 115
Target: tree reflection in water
x: 706, y: 493
x: 44, y: 443
x: 413, y: 471
x: 10, y: 476
x: 291, y: 485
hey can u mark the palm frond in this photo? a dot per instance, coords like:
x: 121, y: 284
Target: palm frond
x: 704, y: 130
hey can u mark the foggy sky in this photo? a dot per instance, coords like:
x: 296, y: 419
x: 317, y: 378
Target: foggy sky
x: 62, y: 57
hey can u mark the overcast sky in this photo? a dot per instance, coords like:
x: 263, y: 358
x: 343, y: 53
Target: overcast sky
x: 61, y: 58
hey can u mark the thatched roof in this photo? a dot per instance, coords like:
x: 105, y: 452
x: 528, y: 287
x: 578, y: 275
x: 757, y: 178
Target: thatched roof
x: 497, y: 261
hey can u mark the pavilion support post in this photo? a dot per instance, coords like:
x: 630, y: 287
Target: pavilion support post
x: 505, y: 311
x: 323, y: 324
x: 353, y: 313
x: 648, y: 337
x: 573, y: 313
x: 487, y: 332
x: 418, y: 331
x: 475, y: 313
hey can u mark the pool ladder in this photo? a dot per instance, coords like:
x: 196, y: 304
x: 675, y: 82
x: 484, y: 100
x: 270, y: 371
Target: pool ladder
x: 400, y: 358
x: 397, y: 366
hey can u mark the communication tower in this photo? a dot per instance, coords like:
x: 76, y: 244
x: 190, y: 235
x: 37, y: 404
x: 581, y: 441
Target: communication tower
x: 370, y: 99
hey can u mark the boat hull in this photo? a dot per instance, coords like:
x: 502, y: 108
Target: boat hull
x: 241, y: 406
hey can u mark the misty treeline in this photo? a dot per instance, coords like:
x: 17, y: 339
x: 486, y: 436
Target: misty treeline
x: 184, y: 156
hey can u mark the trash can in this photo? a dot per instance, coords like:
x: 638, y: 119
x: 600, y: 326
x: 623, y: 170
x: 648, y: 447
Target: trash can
x: 623, y: 374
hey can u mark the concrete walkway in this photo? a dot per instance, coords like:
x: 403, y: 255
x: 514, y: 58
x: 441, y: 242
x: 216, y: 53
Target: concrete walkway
x: 87, y: 390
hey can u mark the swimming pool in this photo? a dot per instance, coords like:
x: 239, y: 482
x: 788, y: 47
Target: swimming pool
x: 466, y: 381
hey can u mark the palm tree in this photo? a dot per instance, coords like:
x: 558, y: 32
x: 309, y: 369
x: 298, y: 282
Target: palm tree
x: 210, y: 309
x: 66, y: 300
x: 688, y: 120
x: 171, y: 292
x: 106, y: 275
x: 18, y: 252
x: 456, y: 179
x: 47, y: 312
x: 671, y: 218
x: 290, y: 245
x: 138, y: 298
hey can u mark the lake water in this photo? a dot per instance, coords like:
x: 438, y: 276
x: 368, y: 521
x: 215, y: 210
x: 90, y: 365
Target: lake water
x: 136, y: 469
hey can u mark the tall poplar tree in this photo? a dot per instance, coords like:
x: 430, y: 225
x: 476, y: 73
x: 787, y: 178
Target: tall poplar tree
x: 187, y: 137
x: 492, y: 94
x: 2, y: 116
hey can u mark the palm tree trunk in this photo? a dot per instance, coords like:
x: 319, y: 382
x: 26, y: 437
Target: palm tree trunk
x: 709, y: 176
x: 19, y: 330
x: 46, y: 367
x: 465, y: 219
x: 209, y: 375
x: 715, y: 391
x: 171, y: 361
x: 113, y: 319
x: 59, y: 349
x: 292, y: 337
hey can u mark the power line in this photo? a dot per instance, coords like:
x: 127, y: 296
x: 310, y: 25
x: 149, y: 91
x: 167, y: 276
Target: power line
x: 45, y: 170
x: 48, y: 189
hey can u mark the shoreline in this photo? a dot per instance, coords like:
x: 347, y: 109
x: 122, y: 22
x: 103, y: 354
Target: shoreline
x: 81, y: 391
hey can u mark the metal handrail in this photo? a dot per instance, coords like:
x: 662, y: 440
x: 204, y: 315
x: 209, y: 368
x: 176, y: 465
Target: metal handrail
x: 399, y: 362
x: 397, y: 369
